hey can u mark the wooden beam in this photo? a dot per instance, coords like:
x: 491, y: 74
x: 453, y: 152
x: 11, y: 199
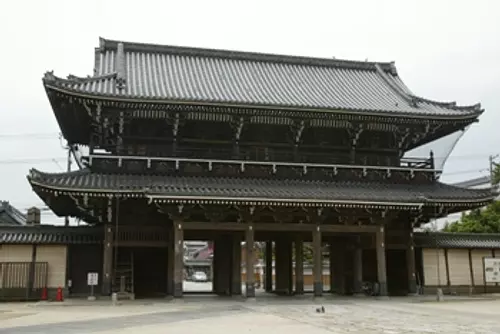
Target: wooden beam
x: 278, y: 227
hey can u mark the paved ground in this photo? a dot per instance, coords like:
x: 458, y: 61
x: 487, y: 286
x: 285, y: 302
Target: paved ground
x: 267, y: 314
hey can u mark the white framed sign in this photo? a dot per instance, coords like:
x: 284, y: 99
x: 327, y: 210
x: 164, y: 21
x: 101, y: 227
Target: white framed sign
x: 491, y: 269
x: 92, y: 279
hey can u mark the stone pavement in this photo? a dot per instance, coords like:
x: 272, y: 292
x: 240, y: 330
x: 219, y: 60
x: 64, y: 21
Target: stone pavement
x: 265, y: 315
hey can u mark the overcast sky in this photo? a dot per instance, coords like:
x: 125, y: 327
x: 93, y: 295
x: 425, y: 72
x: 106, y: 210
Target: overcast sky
x: 444, y: 50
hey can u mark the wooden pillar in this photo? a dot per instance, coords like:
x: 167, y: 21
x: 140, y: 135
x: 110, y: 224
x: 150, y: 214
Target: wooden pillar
x: 338, y: 267
x: 170, y: 264
x: 447, y: 269
x: 31, y: 278
x: 107, y: 261
x: 410, y: 261
x: 317, y: 263
x: 250, y: 262
x: 222, y: 284
x: 236, y: 266
x: 331, y: 257
x: 269, y: 266
x: 178, y: 244
x: 381, y: 261
x: 358, y: 269
x: 299, y: 266
x: 283, y: 266
x: 471, y: 269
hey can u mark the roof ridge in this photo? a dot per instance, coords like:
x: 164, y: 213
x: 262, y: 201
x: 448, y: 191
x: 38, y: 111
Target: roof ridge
x: 394, y: 87
x: 108, y: 44
x: 450, y: 104
x: 49, y: 76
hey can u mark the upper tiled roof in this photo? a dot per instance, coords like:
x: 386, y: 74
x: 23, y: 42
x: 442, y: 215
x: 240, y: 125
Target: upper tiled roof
x: 9, y: 215
x: 457, y: 240
x: 186, y: 187
x: 43, y: 234
x: 193, y: 75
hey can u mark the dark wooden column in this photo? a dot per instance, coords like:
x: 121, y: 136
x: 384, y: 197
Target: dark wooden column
x: 236, y: 266
x: 317, y: 263
x: 299, y: 266
x: 283, y: 266
x: 178, y: 244
x: 410, y: 261
x: 250, y: 262
x: 170, y: 263
x: 269, y: 266
x: 222, y: 284
x: 331, y: 260
x: 357, y: 269
x: 337, y: 268
x: 381, y: 261
x: 107, y: 260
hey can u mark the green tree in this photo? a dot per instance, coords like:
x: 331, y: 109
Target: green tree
x: 486, y: 220
x: 495, y: 174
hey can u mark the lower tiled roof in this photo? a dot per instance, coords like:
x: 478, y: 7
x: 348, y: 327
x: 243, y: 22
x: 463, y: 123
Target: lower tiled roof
x: 50, y: 235
x: 457, y: 240
x: 256, y: 189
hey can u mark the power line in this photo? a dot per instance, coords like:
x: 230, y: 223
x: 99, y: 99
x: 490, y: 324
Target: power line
x: 31, y: 160
x: 29, y: 135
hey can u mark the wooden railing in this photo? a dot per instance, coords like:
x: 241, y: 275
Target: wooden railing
x: 410, y: 168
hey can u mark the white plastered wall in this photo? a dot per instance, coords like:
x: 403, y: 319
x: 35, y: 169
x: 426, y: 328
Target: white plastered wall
x: 458, y: 262
x: 55, y: 256
x: 430, y: 262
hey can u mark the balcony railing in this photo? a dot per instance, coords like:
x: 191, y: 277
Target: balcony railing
x: 409, y: 169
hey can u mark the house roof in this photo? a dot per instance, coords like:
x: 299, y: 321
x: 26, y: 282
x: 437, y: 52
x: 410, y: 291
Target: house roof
x: 457, y: 240
x: 47, y: 234
x: 479, y: 181
x: 256, y: 189
x: 9, y: 215
x: 171, y: 74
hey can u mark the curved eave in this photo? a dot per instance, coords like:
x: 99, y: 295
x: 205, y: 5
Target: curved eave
x: 71, y: 187
x: 465, y: 113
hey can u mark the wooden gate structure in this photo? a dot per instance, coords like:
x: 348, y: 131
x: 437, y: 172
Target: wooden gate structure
x: 235, y: 146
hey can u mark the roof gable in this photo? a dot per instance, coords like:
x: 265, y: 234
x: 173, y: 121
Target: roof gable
x: 204, y: 76
x: 10, y: 215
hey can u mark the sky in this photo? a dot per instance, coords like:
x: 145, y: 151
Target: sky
x: 444, y: 50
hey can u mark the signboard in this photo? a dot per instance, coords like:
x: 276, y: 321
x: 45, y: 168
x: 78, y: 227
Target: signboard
x: 491, y: 269
x: 92, y: 279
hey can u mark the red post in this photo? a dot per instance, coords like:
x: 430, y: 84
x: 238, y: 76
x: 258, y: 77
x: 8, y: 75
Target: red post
x: 44, y: 294
x: 59, y: 295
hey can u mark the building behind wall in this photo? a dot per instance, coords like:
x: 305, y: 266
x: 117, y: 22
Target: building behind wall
x: 198, y: 144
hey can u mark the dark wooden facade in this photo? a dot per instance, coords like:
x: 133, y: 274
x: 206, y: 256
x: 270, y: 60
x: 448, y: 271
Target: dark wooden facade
x: 193, y: 144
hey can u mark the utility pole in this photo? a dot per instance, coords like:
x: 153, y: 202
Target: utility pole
x: 492, y: 167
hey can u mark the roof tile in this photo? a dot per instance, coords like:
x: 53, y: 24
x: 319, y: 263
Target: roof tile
x: 180, y: 74
x: 230, y: 187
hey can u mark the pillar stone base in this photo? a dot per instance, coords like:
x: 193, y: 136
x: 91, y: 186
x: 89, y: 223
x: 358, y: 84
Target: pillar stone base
x: 412, y: 287
x: 382, y: 289
x: 318, y: 289
x: 250, y: 291
x: 299, y: 287
x: 177, y: 289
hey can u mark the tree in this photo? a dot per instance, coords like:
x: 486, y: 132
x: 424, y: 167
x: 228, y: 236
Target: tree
x: 495, y: 173
x: 485, y: 220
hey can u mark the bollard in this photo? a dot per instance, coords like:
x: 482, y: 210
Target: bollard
x: 44, y: 295
x: 59, y: 295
